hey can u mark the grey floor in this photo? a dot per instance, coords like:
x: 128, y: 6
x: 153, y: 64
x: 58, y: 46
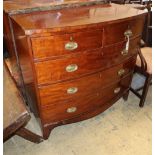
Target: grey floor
x: 123, y: 129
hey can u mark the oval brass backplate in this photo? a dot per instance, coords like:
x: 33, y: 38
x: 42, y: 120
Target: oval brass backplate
x: 117, y: 90
x: 128, y: 33
x: 124, y: 52
x: 72, y: 90
x: 71, y: 68
x: 71, y: 109
x: 121, y: 72
x: 71, y: 46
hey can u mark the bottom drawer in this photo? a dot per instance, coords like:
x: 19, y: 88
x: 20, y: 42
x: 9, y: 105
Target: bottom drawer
x: 62, y: 111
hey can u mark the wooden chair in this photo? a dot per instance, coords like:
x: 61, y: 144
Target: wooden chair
x: 15, y: 114
x: 144, y: 67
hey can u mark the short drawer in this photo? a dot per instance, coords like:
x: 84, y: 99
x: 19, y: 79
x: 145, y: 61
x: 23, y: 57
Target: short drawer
x: 65, y: 44
x: 68, y: 68
x: 67, y: 91
x: 77, y: 106
x: 114, y: 33
x: 117, y: 52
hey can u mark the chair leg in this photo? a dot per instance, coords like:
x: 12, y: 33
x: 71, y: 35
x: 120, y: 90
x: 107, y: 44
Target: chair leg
x: 125, y: 96
x: 145, y: 90
x: 28, y: 135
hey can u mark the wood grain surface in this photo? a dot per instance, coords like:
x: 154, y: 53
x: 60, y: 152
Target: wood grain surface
x: 58, y: 111
x: 57, y: 93
x: 71, y: 20
x: 45, y: 47
x: 89, y: 62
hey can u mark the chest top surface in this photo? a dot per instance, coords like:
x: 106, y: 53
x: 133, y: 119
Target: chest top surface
x: 44, y: 21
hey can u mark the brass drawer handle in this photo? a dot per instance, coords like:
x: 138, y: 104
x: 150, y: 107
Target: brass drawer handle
x: 117, y: 90
x: 124, y: 52
x: 72, y: 90
x: 121, y: 72
x: 71, y: 68
x: 71, y: 46
x: 128, y: 33
x: 71, y: 110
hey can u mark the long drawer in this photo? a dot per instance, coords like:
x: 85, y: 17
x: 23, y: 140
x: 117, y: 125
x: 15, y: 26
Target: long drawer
x: 72, y: 108
x: 77, y: 88
x: 80, y: 64
x: 114, y: 33
x: 44, y: 47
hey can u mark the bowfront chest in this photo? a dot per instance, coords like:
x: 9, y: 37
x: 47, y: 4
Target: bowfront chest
x: 76, y: 62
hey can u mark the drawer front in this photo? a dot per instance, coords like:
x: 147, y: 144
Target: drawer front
x: 78, y: 65
x: 66, y: 91
x: 72, y: 108
x: 117, y: 52
x: 69, y: 67
x: 65, y: 44
x: 114, y: 33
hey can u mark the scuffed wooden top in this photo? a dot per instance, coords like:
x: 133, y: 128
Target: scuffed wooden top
x: 50, y: 21
x: 13, y: 106
x: 27, y: 6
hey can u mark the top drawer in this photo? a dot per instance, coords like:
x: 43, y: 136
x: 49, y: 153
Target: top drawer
x: 65, y: 44
x: 114, y: 33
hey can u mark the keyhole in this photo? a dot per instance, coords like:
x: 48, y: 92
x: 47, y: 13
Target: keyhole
x: 71, y: 38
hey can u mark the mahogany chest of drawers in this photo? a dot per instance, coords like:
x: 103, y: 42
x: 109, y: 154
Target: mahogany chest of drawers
x: 74, y: 63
